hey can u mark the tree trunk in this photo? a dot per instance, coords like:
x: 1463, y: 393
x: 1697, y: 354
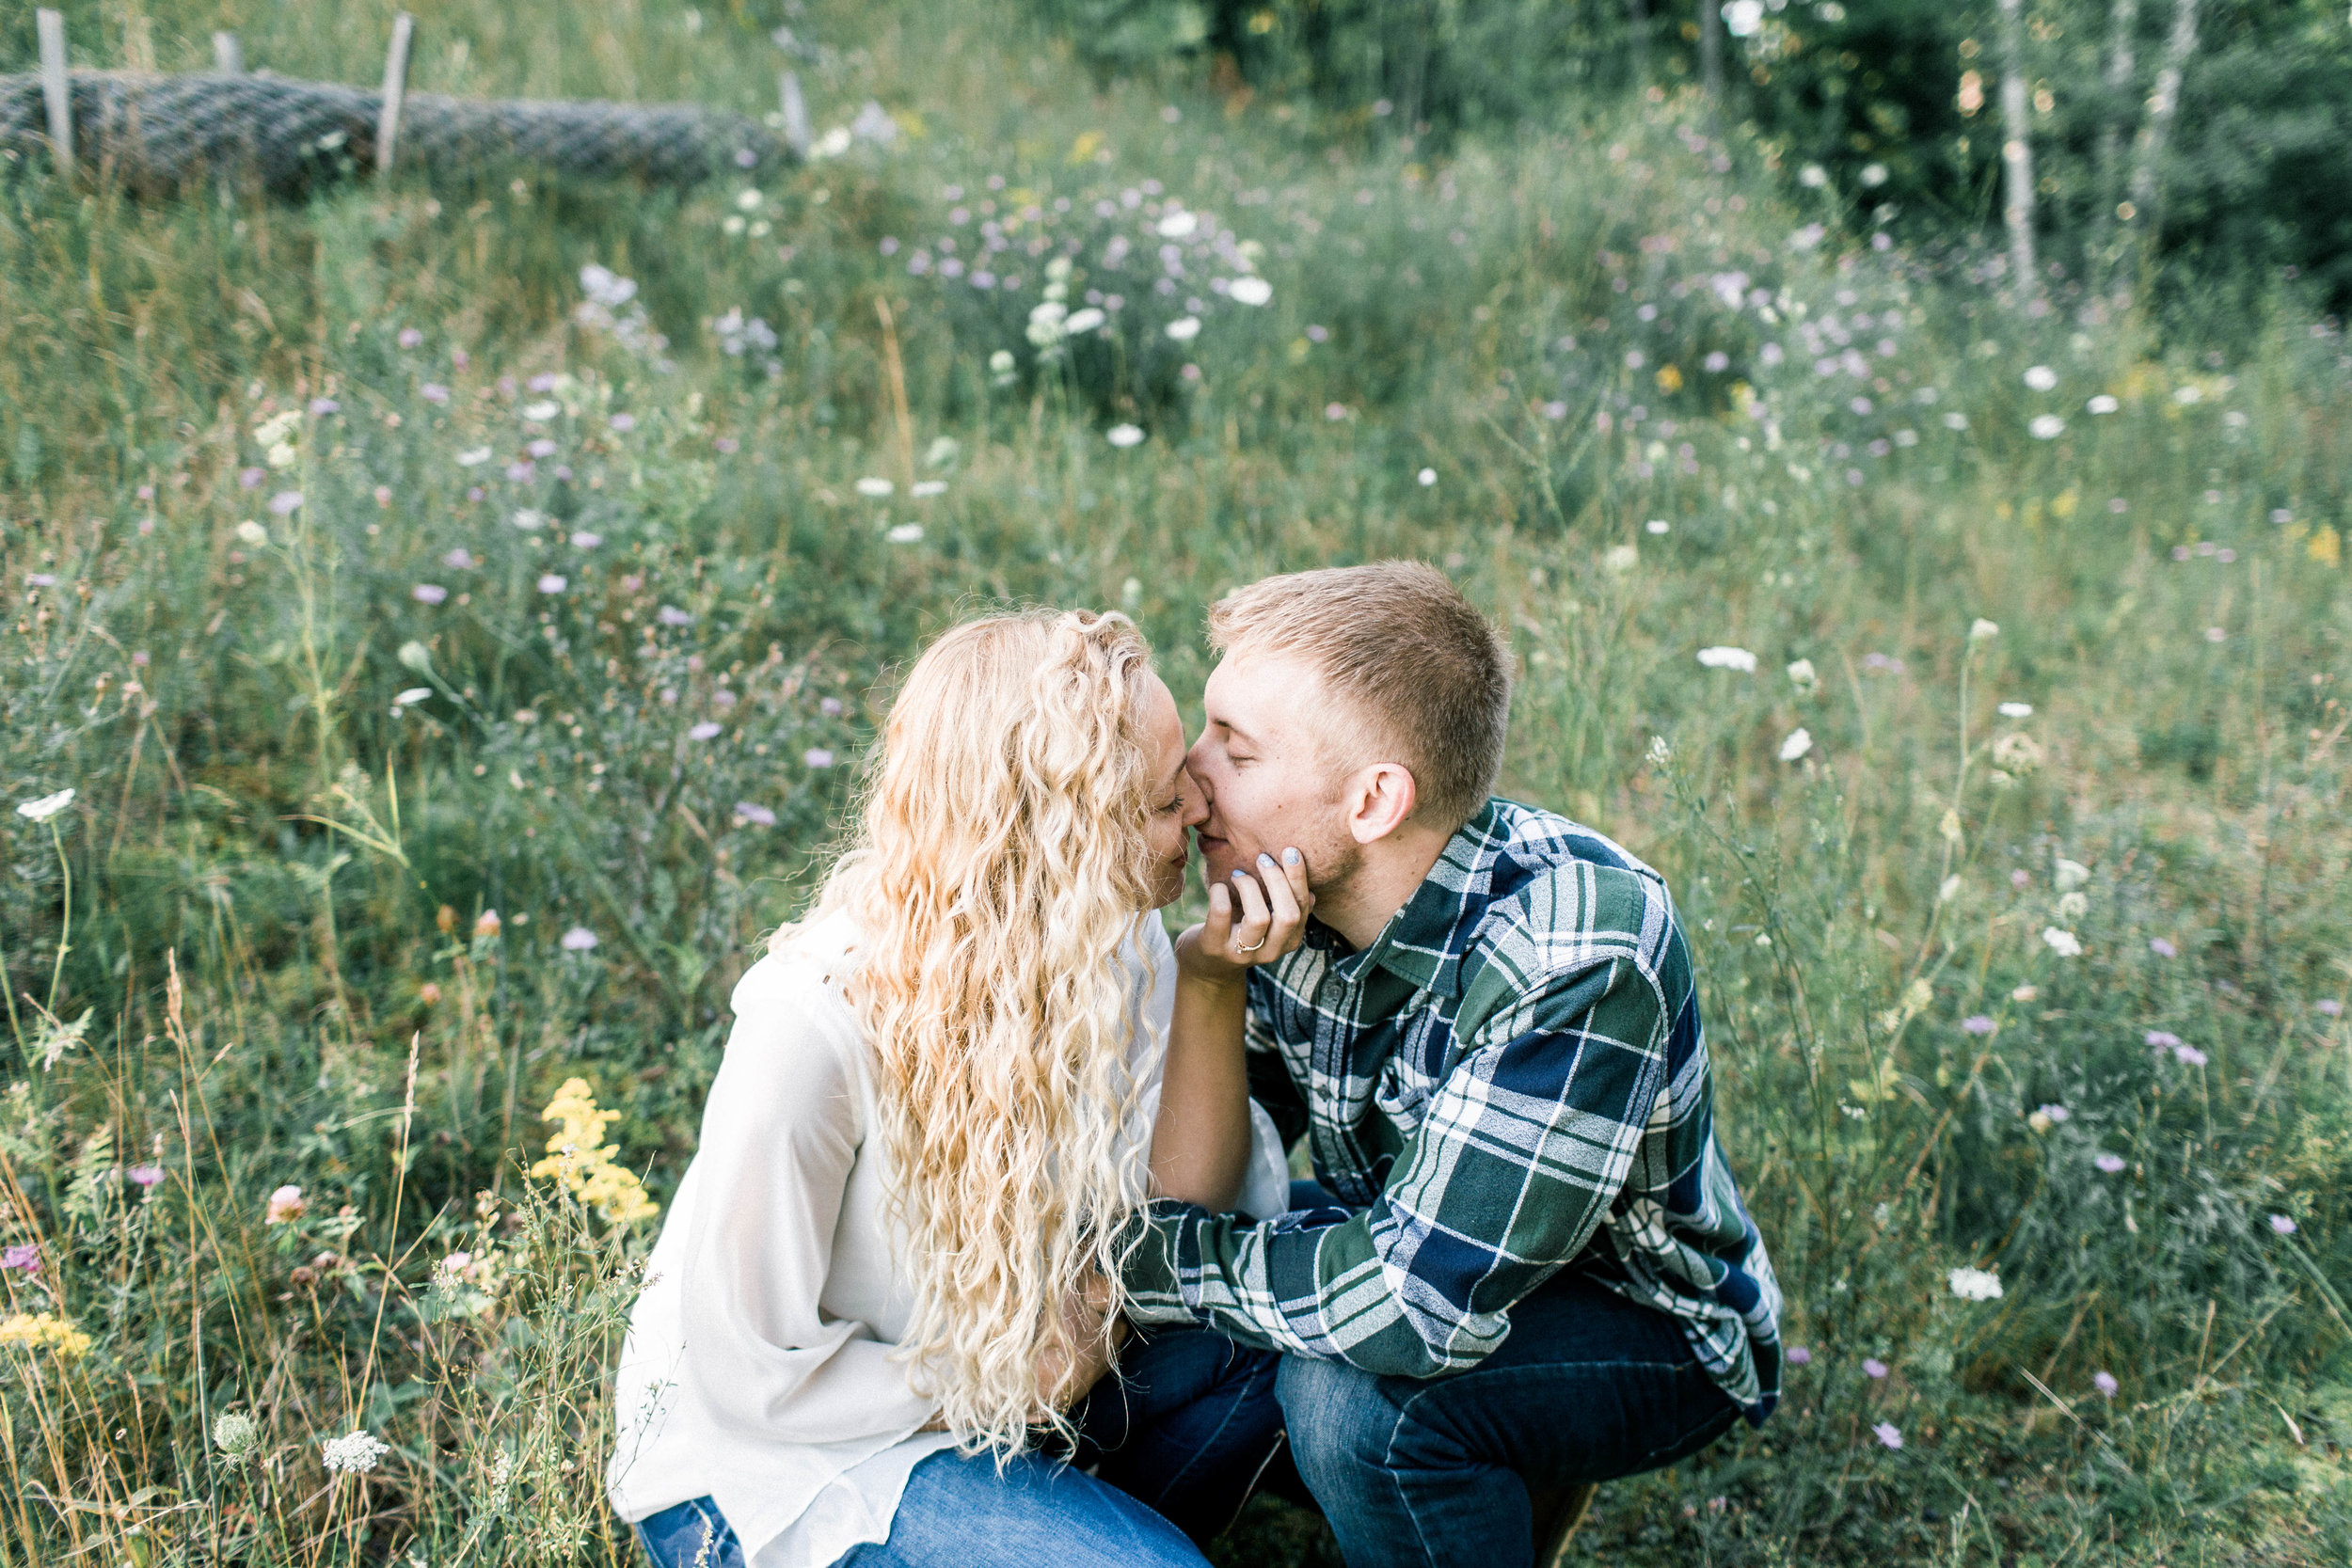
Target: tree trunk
x: 2017, y: 151
x: 1711, y: 59
x: 2139, y: 210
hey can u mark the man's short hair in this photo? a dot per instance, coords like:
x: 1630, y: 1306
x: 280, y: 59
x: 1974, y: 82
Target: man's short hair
x: 1428, y: 678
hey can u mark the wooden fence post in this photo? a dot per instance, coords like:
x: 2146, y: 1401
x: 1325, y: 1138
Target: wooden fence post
x: 56, y: 89
x: 395, y: 88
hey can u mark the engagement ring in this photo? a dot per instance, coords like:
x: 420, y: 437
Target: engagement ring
x: 1261, y: 944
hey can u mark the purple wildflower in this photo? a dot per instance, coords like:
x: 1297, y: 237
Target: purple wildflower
x: 727, y: 446
x: 23, y: 1258
x: 2106, y: 1383
x: 320, y: 407
x: 428, y: 593
x: 703, y: 731
x: 251, y: 478
x: 2281, y: 1224
x: 2162, y: 948
x: 553, y: 583
x: 1799, y: 1356
x: 1873, y: 1367
x: 830, y: 706
x: 1888, y: 1433
x: 2190, y: 1056
x: 433, y: 391
x: 286, y: 502
x: 758, y: 816
x: 2329, y: 1007
x: 622, y: 423
x: 409, y: 337
x: 2108, y: 1163
x: 671, y: 615
x: 544, y: 382
x: 2159, y: 1038
x: 579, y: 938
x: 816, y: 756
x: 586, y: 539
x: 1977, y: 1023
x: 459, y: 558
x: 521, y: 472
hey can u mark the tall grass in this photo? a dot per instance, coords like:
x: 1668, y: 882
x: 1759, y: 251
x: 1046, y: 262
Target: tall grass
x: 381, y: 832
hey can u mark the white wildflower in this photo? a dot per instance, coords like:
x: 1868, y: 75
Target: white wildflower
x: 1250, y: 290
x: 1728, y: 658
x: 1082, y: 320
x: 1178, y: 223
x: 2046, y: 427
x: 1976, y: 1285
x: 1802, y: 675
x: 252, y: 533
x: 1980, y: 629
x: 1621, y: 558
x: 2016, y: 710
x: 877, y: 488
x: 905, y: 534
x: 1184, y: 329
x: 354, y: 1453
x: 2042, y: 378
x: 1123, y: 435
x: 236, y: 1435
x: 2071, y: 875
x: 1799, y: 742
x: 2102, y: 404
x: 2064, y: 944
x: 46, y: 807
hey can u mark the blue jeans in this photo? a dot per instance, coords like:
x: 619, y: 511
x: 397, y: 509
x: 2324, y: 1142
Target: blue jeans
x: 1174, y: 1441
x: 1587, y: 1386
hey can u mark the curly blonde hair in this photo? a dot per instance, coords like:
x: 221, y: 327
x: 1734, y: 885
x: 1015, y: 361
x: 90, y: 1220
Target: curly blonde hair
x: 1000, y: 863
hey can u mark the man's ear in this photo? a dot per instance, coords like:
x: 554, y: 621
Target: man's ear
x: 1377, y: 800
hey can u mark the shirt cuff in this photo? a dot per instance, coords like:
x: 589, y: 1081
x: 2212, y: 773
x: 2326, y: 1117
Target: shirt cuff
x: 1152, y: 1273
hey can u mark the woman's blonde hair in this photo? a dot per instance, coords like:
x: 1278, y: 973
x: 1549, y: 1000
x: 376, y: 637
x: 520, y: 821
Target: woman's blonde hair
x: 1000, y: 863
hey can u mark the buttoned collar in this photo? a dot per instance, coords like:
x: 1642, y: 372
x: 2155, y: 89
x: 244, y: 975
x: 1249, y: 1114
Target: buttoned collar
x: 1424, y: 942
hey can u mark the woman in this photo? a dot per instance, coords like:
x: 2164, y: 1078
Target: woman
x: 889, y: 1276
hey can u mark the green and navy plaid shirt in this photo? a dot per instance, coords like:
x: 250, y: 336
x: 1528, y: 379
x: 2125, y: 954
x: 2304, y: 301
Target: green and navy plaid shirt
x: 1509, y: 1080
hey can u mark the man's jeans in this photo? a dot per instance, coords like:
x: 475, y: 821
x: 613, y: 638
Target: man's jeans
x: 1182, y: 1430
x: 1587, y: 1386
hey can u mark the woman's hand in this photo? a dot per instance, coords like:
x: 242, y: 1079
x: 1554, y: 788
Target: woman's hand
x: 1252, y: 921
x: 1063, y: 1380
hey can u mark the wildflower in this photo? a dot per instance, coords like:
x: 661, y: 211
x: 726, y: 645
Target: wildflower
x: 1426, y: 477
x: 579, y: 938
x: 1178, y: 223
x: 1813, y: 177
x: 546, y: 408
x: 1123, y: 435
x: 1335, y: 411
x: 433, y: 391
x: 529, y: 520
x: 2016, y: 710
x: 873, y: 486
x: 2064, y: 944
x: 1802, y: 675
x: 2189, y: 1055
x: 2024, y: 993
x: 1658, y: 750
x: 46, y: 807
x: 23, y: 1258
x: 409, y: 337
x: 2281, y: 1225
x: 1977, y: 1023
x: 1888, y: 1433
x: 1621, y: 559
x: 904, y: 533
x: 831, y: 707
x: 1184, y: 329
x: 236, y: 1435
x: 252, y: 533
x: 1728, y: 658
x: 2106, y: 1383
x: 585, y: 540
x: 2073, y: 906
x: 2046, y: 427
x: 428, y: 593
x: 146, y: 1176
x: 671, y: 615
x: 816, y: 756
x: 727, y: 446
x: 487, y: 924
x: 2055, y: 1113
x: 758, y: 816
x: 1797, y: 1355
x: 703, y: 731
x: 2328, y: 1005
x: 1800, y: 742
x: 2040, y: 377
x: 32, y: 1331
x: 552, y: 582
x: 2162, y: 1038
x: 429, y: 993
x: 473, y: 458
x: 1873, y: 1368
x: 1975, y: 1284
x: 251, y: 478
x: 353, y: 1454
x: 1087, y: 321
x: 2109, y: 1164
x: 286, y: 1205
x: 925, y: 489
x: 581, y: 1162
x: 2214, y: 634
x: 1982, y: 630
x: 2017, y: 753
x: 2102, y: 404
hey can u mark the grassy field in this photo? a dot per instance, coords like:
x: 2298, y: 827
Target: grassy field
x: 459, y: 660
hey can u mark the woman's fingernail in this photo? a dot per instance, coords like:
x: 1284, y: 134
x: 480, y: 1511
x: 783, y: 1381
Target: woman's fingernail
x: 1240, y: 876
x: 1265, y: 860
x: 1290, y: 857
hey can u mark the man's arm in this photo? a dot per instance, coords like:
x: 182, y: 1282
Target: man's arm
x: 1524, y: 1146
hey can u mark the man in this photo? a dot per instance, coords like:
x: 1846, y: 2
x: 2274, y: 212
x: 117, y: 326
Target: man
x: 1534, y: 1271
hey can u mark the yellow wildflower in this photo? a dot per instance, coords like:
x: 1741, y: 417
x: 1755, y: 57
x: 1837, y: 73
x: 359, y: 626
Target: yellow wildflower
x: 44, y: 1331
x: 582, y: 1163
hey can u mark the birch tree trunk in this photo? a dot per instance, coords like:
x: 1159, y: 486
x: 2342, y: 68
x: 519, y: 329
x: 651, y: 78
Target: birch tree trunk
x: 2017, y: 151
x: 2122, y: 62
x: 2138, y: 210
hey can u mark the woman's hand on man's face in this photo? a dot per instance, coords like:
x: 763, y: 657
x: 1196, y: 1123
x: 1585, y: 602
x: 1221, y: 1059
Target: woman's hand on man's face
x: 1252, y: 920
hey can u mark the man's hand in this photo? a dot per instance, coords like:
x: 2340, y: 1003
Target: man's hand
x: 1063, y: 1380
x: 1252, y: 921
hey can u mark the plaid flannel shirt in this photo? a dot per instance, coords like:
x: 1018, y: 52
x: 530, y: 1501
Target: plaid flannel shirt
x: 1510, y: 1080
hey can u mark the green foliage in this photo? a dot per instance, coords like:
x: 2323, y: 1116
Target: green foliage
x: 306, y: 913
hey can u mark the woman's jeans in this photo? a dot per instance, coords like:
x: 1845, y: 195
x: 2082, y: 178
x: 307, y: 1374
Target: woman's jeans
x: 1587, y: 1386
x: 1174, y: 1440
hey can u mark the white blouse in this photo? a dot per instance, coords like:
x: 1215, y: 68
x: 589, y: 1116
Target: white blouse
x: 757, y: 1370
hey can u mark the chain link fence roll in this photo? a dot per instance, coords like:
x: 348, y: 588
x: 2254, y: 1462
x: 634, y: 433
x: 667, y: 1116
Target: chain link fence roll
x: 159, y: 134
